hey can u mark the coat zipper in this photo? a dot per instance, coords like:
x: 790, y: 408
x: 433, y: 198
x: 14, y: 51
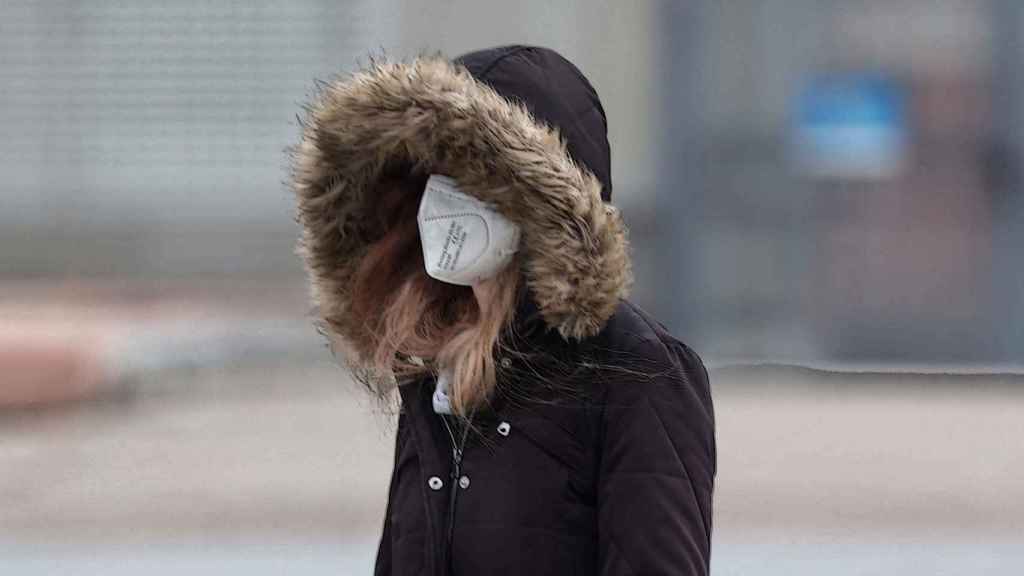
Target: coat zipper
x: 457, y: 449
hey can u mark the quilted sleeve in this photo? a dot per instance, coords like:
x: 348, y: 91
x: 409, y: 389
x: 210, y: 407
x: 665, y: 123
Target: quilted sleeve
x: 657, y: 470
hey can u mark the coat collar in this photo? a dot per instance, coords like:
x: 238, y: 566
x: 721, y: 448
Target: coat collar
x: 528, y: 335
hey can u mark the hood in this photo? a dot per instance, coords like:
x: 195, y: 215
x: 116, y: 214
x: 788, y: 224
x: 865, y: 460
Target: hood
x: 517, y: 127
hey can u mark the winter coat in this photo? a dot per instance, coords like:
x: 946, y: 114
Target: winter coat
x: 596, y: 455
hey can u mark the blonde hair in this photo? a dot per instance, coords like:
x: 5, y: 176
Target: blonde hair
x: 405, y: 315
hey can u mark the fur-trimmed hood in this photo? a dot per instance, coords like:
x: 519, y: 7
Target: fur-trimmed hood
x: 511, y: 127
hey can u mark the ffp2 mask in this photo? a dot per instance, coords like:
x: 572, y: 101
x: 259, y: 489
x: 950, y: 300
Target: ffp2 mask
x: 464, y: 240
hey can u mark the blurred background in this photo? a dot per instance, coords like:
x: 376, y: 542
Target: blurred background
x: 825, y: 200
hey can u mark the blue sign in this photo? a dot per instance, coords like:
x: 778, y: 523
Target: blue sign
x: 851, y: 126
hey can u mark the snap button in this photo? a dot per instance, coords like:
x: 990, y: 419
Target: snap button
x: 504, y: 428
x: 464, y: 482
x: 435, y: 483
x: 506, y: 362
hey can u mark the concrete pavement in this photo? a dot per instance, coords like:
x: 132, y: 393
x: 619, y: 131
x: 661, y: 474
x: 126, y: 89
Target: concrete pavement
x: 296, y: 451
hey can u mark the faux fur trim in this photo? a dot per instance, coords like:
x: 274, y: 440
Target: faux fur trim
x: 432, y: 114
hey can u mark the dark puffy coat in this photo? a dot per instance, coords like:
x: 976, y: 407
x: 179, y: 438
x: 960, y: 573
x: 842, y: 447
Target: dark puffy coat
x: 608, y: 472
x: 597, y: 454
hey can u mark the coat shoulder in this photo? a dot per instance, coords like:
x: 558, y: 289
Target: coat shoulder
x: 633, y: 327
x: 646, y: 356
x: 633, y: 333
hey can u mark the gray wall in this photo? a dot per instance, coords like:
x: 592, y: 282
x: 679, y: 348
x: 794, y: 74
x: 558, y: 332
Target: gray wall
x: 148, y: 137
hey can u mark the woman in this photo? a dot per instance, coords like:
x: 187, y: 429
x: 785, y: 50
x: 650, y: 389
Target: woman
x: 461, y: 249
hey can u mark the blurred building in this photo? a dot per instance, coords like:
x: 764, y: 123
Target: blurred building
x: 148, y: 139
x: 151, y: 137
x: 870, y: 252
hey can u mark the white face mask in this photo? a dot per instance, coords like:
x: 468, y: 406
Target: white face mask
x: 464, y: 240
